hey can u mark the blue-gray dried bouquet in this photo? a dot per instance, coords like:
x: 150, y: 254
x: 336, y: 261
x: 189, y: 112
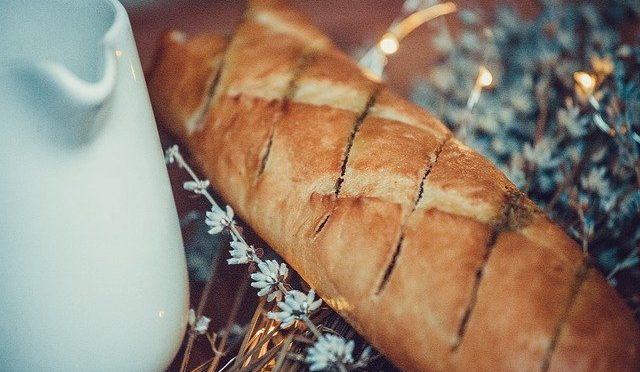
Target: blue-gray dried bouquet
x: 560, y: 115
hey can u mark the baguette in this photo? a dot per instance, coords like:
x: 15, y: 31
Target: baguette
x: 420, y: 243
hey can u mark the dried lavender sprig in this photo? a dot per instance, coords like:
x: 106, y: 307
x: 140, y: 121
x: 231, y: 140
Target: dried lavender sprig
x: 271, y: 278
x: 199, y: 187
x: 220, y: 220
x: 172, y: 155
x: 504, y: 125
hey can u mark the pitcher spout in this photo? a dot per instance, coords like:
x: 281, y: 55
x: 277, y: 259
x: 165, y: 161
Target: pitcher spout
x: 76, y: 105
x: 59, y: 74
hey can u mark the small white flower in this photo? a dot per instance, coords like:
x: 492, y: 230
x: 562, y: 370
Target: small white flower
x: 268, y: 278
x: 295, y: 305
x: 217, y: 219
x: 365, y: 356
x: 566, y: 39
x: 599, y: 154
x: 443, y: 78
x: 595, y: 181
x: 508, y: 18
x: 470, y: 41
x: 574, y: 153
x: 469, y: 17
x: 240, y: 252
x: 488, y: 123
x: 624, y: 51
x: 410, y: 6
x: 443, y: 43
x: 521, y: 102
x: 608, y: 203
x: 540, y: 154
x: 199, y: 324
x: 329, y: 351
x: 569, y: 118
x: 460, y: 116
x: 197, y: 187
x: 498, y: 145
x: 171, y: 153
x: 506, y: 115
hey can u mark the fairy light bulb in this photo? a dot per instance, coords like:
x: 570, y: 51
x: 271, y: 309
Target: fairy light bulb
x: 375, y: 59
x: 389, y: 44
x: 585, y: 87
x: 485, y: 79
x: 585, y: 83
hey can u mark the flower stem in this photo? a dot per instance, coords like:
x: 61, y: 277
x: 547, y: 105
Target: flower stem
x: 183, y: 164
x: 283, y: 289
x: 227, y: 329
x: 312, y: 327
x: 187, y: 351
x: 232, y: 227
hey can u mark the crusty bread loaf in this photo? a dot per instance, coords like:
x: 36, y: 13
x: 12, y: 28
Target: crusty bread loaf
x: 418, y: 241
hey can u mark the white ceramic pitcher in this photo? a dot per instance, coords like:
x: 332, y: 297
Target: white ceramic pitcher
x: 92, y: 270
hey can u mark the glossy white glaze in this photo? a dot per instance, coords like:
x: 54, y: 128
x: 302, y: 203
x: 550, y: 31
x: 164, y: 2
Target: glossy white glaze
x: 92, y: 269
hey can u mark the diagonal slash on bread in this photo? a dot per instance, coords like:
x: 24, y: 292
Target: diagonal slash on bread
x: 419, y: 242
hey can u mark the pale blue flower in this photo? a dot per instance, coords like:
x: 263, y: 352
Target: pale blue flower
x: 469, y: 17
x: 171, y: 153
x: 197, y: 186
x: 541, y: 154
x: 569, y: 118
x: 596, y: 181
x: 521, y: 102
x: 241, y: 253
x: 330, y: 352
x: 443, y: 43
x: 443, y: 79
x: 218, y: 220
x: 296, y: 305
x: 470, y: 41
x: 200, y: 324
x: 269, y: 277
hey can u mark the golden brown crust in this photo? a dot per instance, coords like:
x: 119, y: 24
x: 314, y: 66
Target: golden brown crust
x: 524, y: 292
x: 435, y: 282
x: 232, y: 142
x: 418, y: 241
x: 277, y: 16
x: 390, y: 106
x: 599, y: 332
x: 408, y: 157
x: 464, y: 182
x: 182, y: 77
x: 309, y: 156
x: 254, y: 68
x: 360, y: 255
